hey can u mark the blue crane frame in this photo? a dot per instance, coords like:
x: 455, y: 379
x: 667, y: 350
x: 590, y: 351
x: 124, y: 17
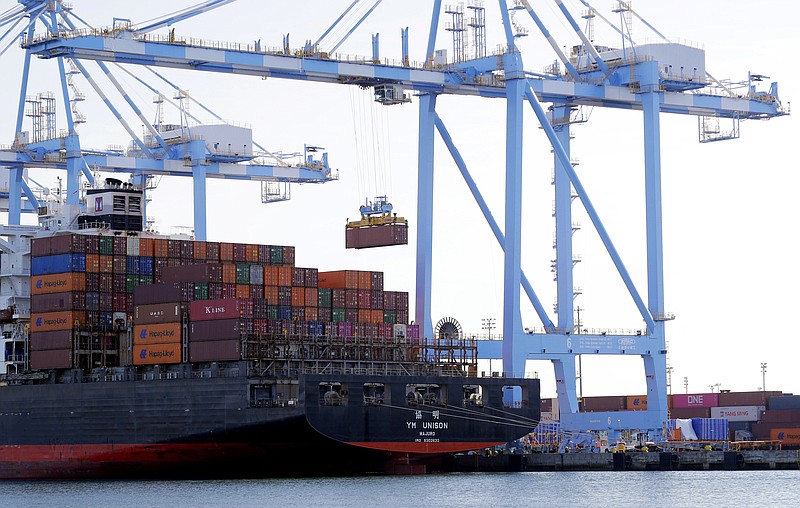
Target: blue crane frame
x: 635, y: 86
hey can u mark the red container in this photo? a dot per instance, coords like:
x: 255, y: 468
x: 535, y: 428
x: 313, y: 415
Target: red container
x: 351, y: 315
x: 298, y: 297
x: 288, y: 255
x: 781, y: 416
x: 611, y: 403
x: 376, y: 300
x: 51, y: 359
x: 47, y: 341
x: 158, y: 313
x: 412, y: 332
x: 212, y: 251
x: 683, y: 401
x: 402, y: 316
x: 692, y: 412
x: 189, y: 273
x: 325, y: 314
x: 338, y: 298
x: 376, y: 236
x: 377, y: 281
x: 351, y: 299
x: 285, y: 274
x: 41, y: 246
x: 746, y: 398
x: 224, y: 329
x: 215, y: 351
x: 120, y: 264
x: 311, y: 314
x: 271, y: 295
x: 229, y: 308
x: 365, y: 298
x: 389, y: 300
x: 146, y: 247
x: 312, y: 277
x: 57, y: 302
x: 156, y: 293
x: 311, y: 297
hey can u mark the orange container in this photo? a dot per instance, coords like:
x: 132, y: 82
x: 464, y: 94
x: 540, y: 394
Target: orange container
x: 242, y: 290
x: 364, y: 315
x: 271, y: 295
x: 636, y: 403
x: 364, y: 280
x: 200, y: 250
x: 106, y: 263
x: 160, y: 247
x: 342, y: 279
x: 160, y: 333
x: 298, y: 297
x: 311, y: 313
x: 285, y: 275
x: 377, y: 317
x: 152, y: 354
x: 226, y: 251
x: 53, y: 321
x: 251, y: 253
x: 229, y: 273
x: 790, y: 437
x: 58, y: 283
x: 270, y: 275
x: 146, y: 246
x: 92, y: 263
x: 312, y: 299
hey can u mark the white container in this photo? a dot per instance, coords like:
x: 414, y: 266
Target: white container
x: 738, y: 413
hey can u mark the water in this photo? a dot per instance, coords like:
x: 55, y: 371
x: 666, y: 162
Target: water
x: 674, y: 489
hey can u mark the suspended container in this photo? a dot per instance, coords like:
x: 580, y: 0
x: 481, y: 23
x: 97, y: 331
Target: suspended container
x: 378, y: 227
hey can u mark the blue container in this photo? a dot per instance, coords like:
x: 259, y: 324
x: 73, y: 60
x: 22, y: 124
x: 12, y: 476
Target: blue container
x: 547, y: 433
x: 710, y: 429
x: 92, y: 300
x: 315, y: 328
x: 785, y: 402
x: 284, y: 312
x: 145, y: 265
x: 132, y: 265
x: 59, y: 263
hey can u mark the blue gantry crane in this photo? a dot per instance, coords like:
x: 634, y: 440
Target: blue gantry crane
x: 651, y: 79
x: 198, y: 151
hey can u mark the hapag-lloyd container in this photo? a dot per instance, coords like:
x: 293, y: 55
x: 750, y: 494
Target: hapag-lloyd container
x: 786, y: 436
x: 58, y: 283
x: 738, y: 413
x: 151, y: 354
x: 682, y: 401
x: 53, y: 321
x: 161, y: 333
x: 636, y: 403
x: 231, y: 308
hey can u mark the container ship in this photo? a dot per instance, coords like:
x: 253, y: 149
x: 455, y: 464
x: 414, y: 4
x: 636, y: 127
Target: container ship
x: 129, y: 354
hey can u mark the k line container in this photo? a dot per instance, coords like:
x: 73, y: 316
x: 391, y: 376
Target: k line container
x: 738, y: 413
x: 230, y: 308
x: 51, y: 359
x: 152, y: 354
x: 58, y: 283
x: 215, y: 351
x: 161, y: 333
x: 692, y: 400
x: 157, y: 313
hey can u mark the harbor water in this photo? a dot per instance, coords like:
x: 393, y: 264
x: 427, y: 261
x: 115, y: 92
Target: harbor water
x: 567, y: 489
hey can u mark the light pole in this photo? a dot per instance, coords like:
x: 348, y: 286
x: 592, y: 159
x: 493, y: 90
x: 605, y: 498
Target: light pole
x: 686, y: 383
x: 763, y: 377
x: 669, y: 379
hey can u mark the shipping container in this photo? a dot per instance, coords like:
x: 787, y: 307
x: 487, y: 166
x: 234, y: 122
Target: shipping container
x: 66, y: 244
x: 58, y: 283
x: 311, y: 297
x: 636, y: 403
x: 784, y: 402
x: 275, y: 255
x: 324, y: 297
x: 54, y: 321
x: 156, y: 293
x: 787, y: 436
x: 691, y: 412
x: 47, y: 341
x: 57, y: 302
x: 342, y: 279
x: 298, y: 277
x: 58, y: 263
x: 376, y: 236
x: 189, y: 273
x: 312, y: 277
x: 298, y: 297
x: 710, y: 429
x: 745, y: 398
x: 781, y: 416
x: 224, y: 329
x: 311, y: 313
x: 51, y: 359
x: 152, y: 354
x: 199, y: 252
x: 93, y: 263
x: 256, y: 275
x: 230, y: 308
x: 158, y: 313
x: 738, y: 413
x: 683, y: 401
x: 365, y: 280
x: 215, y: 351
x: 146, y: 247
x: 157, y: 333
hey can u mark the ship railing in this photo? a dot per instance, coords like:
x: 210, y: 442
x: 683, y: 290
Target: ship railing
x: 276, y: 402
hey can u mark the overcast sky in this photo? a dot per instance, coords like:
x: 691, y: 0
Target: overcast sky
x: 729, y: 217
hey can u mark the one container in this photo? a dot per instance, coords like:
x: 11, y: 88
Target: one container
x: 159, y: 333
x: 54, y: 321
x: 58, y: 283
x: 51, y: 359
x: 47, y: 341
x: 215, y: 351
x: 738, y: 413
x: 225, y: 329
x: 152, y: 354
x: 158, y: 313
x: 682, y: 401
x: 786, y: 436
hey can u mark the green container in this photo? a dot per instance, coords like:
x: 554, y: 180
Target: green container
x: 131, y: 282
x: 325, y: 297
x: 243, y: 273
x: 390, y: 317
x: 201, y: 291
x: 275, y: 254
x: 272, y: 312
x: 145, y: 280
x: 106, y: 245
x: 339, y: 315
